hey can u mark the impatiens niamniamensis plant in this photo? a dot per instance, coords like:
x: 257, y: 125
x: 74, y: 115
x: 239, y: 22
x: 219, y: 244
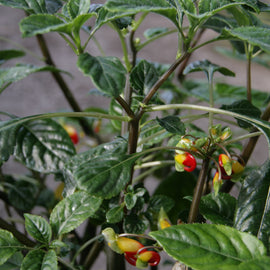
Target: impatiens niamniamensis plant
x: 207, y: 206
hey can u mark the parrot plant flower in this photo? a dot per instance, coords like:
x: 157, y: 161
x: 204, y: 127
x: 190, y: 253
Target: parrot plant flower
x: 185, y: 161
x: 135, y: 252
x: 72, y: 132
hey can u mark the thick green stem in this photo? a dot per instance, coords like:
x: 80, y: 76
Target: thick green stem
x: 194, y: 209
x: 63, y: 86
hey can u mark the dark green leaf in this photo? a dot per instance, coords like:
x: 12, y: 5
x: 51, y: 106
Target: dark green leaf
x: 118, y: 146
x: 257, y: 36
x: 243, y: 107
x: 152, y: 32
x: 78, y: 7
x: 208, y: 67
x: 135, y: 224
x: 10, y: 54
x: 105, y: 176
x: 43, y: 23
x: 72, y: 211
x: 253, y: 206
x: 172, y: 124
x: 34, y: 6
x: 39, y: 259
x: 143, y: 77
x: 14, y: 74
x: 43, y: 145
x: 152, y: 133
x: 115, y: 215
x: 209, y: 246
x: 160, y: 201
x: 8, y: 245
x: 218, y: 209
x: 38, y: 228
x: 176, y: 186
x: 22, y: 195
x: 107, y: 73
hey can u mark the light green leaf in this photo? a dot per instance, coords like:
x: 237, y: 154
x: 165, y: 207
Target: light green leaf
x: 261, y: 263
x: 257, y: 36
x: 9, y: 245
x: 42, y: 145
x: 218, y: 209
x: 14, y: 74
x: 253, y: 205
x: 38, y: 228
x: 34, y: 6
x: 143, y: 76
x: 153, y: 32
x: 40, y: 260
x: 107, y: 73
x: 135, y: 6
x: 13, y: 263
x: 172, y: 124
x: 72, y: 211
x: 78, y: 7
x: 209, y: 246
x: 43, y: 23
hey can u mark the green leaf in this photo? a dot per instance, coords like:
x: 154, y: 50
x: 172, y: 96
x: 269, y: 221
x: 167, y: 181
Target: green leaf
x: 135, y: 6
x: 9, y: 245
x: 14, y: 74
x: 130, y: 200
x: 43, y: 23
x: 243, y: 107
x: 38, y: 228
x: 143, y: 77
x: 13, y: 263
x: 107, y: 73
x: 211, y: 7
x: 253, y: 205
x: 177, y: 186
x: 209, y: 246
x: 160, y: 201
x: 257, y: 36
x: 105, y: 176
x: 118, y: 146
x: 43, y: 145
x: 34, y: 6
x: 172, y: 124
x: 39, y: 259
x: 208, y: 67
x: 10, y: 54
x: 153, y: 32
x: 218, y: 209
x: 135, y: 224
x: 115, y: 215
x: 72, y: 211
x: 78, y: 7
x: 261, y: 263
x: 22, y: 195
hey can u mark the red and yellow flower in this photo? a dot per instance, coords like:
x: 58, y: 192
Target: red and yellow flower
x: 185, y: 161
x: 72, y: 132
